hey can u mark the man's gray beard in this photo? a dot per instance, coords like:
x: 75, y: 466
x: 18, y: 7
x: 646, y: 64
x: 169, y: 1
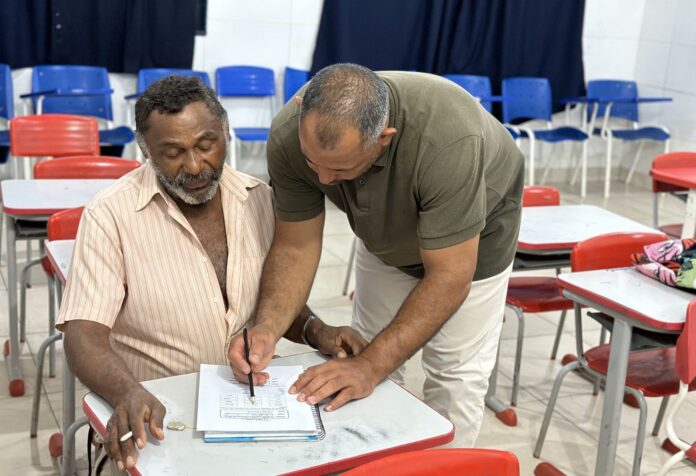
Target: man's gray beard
x: 175, y: 186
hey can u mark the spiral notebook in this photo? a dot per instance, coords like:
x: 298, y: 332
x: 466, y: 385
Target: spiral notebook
x: 226, y: 412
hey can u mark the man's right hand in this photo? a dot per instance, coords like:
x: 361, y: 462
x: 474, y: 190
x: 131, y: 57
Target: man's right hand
x: 133, y: 410
x: 262, y: 342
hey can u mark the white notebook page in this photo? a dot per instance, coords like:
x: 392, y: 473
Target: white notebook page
x: 224, y: 404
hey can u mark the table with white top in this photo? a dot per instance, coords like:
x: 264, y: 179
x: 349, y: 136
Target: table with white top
x: 680, y: 177
x: 546, y: 238
x: 34, y: 200
x: 633, y: 300
x: 391, y: 420
x: 556, y: 229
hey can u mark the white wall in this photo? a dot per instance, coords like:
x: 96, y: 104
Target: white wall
x: 654, y: 43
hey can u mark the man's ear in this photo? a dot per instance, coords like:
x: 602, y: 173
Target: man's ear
x: 386, y: 136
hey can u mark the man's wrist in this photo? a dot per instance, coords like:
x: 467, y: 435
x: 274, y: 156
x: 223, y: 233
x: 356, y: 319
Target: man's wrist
x: 311, y: 330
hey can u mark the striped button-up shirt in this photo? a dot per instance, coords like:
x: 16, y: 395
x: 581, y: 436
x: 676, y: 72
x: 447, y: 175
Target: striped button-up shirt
x: 139, y: 269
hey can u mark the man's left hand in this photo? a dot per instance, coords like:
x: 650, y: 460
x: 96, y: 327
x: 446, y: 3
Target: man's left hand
x: 349, y: 378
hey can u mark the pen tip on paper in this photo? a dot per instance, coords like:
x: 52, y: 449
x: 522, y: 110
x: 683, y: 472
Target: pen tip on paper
x: 253, y: 399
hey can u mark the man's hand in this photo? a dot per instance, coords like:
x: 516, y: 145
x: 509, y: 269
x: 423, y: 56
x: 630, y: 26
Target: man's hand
x: 339, y: 342
x: 350, y: 379
x: 262, y: 342
x: 130, y: 414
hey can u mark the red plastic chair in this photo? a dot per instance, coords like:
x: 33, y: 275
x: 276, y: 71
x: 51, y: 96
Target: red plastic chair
x: 685, y: 368
x: 84, y: 167
x: 443, y: 462
x: 538, y: 196
x: 651, y: 372
x: 672, y: 160
x: 533, y: 196
x: 53, y: 135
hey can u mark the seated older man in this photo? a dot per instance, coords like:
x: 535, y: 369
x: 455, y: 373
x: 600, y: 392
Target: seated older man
x: 167, y: 264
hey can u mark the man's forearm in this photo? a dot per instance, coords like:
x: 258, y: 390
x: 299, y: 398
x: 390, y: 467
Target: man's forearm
x: 426, y: 309
x: 94, y: 362
x: 285, y: 285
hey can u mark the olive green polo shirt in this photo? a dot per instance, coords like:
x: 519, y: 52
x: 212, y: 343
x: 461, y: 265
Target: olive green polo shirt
x: 451, y: 172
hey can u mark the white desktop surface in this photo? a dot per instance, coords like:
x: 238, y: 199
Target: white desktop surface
x: 634, y: 294
x: 391, y: 420
x: 44, y: 197
x: 561, y: 227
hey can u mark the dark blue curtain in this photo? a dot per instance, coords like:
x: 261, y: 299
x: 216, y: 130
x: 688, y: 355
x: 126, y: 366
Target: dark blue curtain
x: 121, y: 35
x: 495, y: 38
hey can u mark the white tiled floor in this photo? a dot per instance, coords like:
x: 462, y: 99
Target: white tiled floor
x: 572, y: 438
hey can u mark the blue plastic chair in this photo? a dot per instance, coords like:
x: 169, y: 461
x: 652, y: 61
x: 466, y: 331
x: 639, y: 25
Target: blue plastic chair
x: 626, y: 90
x: 530, y: 98
x: 80, y: 90
x: 294, y: 79
x: 6, y: 108
x: 480, y: 88
x: 147, y: 76
x: 245, y: 82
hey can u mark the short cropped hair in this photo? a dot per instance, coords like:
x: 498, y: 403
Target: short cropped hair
x: 170, y: 95
x: 347, y: 95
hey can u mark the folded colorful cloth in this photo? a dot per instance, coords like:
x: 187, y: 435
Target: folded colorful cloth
x: 669, y: 262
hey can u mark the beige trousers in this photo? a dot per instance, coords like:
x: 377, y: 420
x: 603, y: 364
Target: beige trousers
x: 458, y: 360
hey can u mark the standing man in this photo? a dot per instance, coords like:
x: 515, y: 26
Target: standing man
x: 432, y: 186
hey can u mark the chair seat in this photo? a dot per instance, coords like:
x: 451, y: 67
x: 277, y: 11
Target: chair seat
x: 651, y: 371
x: 536, y: 294
x: 673, y: 231
x: 515, y: 135
x: 559, y: 134
x: 251, y: 133
x: 117, y: 136
x: 4, y: 138
x: 644, y: 133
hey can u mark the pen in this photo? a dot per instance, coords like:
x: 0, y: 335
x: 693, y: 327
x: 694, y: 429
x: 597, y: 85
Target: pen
x: 126, y: 436
x: 246, y: 354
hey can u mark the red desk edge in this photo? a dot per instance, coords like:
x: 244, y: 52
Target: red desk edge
x: 55, y: 266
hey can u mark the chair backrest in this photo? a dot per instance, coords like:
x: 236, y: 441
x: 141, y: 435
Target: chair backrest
x: 84, y: 167
x: 672, y: 160
x: 607, y: 88
x: 6, y: 95
x: 443, y: 462
x: 63, y: 225
x: 49, y: 77
x: 526, y: 98
x: 538, y: 196
x: 294, y: 79
x: 686, y: 347
x: 612, y: 250
x: 242, y: 81
x: 53, y: 135
x: 147, y: 76
x: 477, y: 86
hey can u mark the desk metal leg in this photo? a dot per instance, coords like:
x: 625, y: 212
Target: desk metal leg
x: 613, y: 398
x: 504, y: 413
x: 689, y: 228
x: 65, y: 443
x: 11, y: 349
